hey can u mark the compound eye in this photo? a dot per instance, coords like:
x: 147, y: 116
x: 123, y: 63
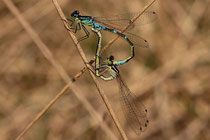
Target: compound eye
x: 111, y: 58
x: 77, y: 12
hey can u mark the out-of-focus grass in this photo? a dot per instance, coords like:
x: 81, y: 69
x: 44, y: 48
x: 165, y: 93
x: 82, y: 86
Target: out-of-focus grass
x: 172, y: 76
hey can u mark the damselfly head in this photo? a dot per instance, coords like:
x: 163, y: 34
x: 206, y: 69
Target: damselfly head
x: 75, y: 14
x: 111, y: 58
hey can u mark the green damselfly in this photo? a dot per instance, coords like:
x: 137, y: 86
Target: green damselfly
x: 135, y: 111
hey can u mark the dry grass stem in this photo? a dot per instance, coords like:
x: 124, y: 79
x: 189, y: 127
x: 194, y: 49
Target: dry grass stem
x: 59, y: 68
x: 82, y: 54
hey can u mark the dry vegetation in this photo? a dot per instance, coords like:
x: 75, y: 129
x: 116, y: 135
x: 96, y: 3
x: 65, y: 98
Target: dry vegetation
x: 172, y: 77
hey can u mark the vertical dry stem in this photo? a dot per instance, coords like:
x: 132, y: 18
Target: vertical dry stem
x: 82, y: 54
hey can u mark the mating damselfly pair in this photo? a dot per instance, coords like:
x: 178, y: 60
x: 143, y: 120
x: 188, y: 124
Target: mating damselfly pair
x: 135, y: 110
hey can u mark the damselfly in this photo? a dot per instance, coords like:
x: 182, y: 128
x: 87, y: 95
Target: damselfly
x: 135, y: 111
x: 112, y: 24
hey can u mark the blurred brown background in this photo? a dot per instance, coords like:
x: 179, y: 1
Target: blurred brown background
x: 172, y: 77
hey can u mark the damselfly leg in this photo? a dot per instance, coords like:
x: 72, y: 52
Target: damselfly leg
x: 78, y: 27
